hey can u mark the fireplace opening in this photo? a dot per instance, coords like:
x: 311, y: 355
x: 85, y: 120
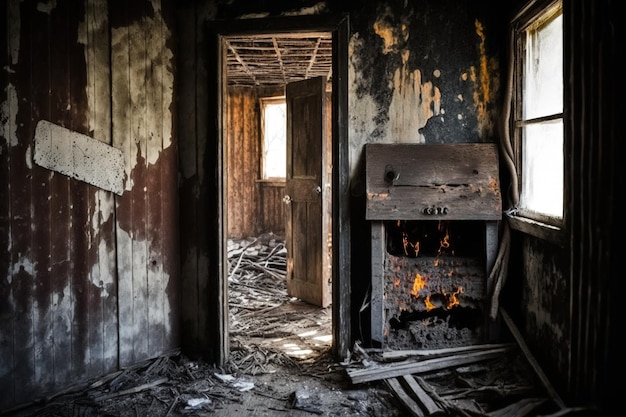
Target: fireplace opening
x: 429, y: 268
x: 414, y: 238
x: 433, y: 299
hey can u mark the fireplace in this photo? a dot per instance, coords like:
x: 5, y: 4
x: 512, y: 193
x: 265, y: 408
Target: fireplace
x: 434, y: 212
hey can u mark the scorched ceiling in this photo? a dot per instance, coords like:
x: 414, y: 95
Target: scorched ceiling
x: 275, y: 60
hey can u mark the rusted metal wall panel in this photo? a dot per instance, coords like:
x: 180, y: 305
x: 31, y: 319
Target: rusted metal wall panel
x: 61, y: 237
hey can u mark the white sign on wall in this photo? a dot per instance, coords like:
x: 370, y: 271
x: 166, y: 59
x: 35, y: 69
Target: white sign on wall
x: 79, y: 156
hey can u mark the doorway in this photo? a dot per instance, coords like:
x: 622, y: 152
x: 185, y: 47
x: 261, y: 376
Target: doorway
x: 338, y: 28
x: 279, y: 260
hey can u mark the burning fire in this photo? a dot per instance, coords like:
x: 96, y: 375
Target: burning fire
x: 418, y: 284
x: 406, y: 244
x: 429, y: 305
x: 451, y: 299
x: 444, y: 243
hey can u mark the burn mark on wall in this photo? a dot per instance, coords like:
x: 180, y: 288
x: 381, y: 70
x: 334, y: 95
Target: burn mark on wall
x: 429, y: 73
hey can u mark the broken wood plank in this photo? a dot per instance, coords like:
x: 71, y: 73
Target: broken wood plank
x: 531, y: 359
x: 411, y: 367
x: 521, y: 408
x: 405, y: 354
x: 446, y: 405
x: 431, y: 407
x: 131, y: 390
x: 409, y: 403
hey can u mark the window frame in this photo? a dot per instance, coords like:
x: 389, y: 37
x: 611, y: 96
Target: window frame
x: 263, y: 102
x: 537, y: 224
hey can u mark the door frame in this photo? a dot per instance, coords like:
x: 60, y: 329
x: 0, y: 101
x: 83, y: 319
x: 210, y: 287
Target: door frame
x: 217, y: 297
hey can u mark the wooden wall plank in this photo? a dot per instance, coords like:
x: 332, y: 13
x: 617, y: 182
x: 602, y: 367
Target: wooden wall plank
x: 69, y: 77
x: 144, y: 70
x: 8, y: 113
x: 122, y: 139
x: 190, y: 222
x: 272, y: 210
x: 22, y: 264
x: 243, y: 138
x: 42, y: 76
x: 154, y: 219
x: 457, y: 181
x: 139, y: 66
x: 93, y: 33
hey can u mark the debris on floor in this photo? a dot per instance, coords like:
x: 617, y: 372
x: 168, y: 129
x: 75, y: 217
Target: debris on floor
x: 281, y: 365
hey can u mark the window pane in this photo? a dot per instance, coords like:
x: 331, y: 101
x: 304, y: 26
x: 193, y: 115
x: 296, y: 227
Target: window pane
x: 275, y: 141
x: 542, y: 173
x: 543, y: 74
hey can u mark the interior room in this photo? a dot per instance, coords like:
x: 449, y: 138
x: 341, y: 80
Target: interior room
x: 284, y: 208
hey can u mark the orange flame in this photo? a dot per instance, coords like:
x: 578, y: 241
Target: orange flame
x: 415, y: 247
x: 453, y: 300
x: 418, y: 284
x: 429, y: 305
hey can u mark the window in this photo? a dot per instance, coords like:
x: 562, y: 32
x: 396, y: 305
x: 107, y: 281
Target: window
x: 538, y: 112
x: 274, y: 133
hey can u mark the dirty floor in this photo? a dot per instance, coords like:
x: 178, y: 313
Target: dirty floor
x: 281, y: 365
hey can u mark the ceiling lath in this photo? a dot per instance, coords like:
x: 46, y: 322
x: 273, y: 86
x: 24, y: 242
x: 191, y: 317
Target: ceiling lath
x: 275, y: 60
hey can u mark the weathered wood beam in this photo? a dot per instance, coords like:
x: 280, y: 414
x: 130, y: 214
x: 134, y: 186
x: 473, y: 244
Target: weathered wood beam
x: 413, y: 367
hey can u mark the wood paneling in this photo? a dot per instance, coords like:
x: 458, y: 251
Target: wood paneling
x: 142, y: 128
x: 272, y: 211
x: 74, y: 252
x: 242, y: 165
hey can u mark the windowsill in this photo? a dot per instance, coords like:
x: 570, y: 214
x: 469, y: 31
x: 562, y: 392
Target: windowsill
x: 538, y: 229
x: 273, y: 182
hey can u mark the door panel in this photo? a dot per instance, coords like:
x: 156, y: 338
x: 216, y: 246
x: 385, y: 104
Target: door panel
x: 307, y: 276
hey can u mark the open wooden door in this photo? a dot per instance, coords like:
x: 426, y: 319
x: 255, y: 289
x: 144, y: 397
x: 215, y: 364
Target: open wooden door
x: 306, y: 193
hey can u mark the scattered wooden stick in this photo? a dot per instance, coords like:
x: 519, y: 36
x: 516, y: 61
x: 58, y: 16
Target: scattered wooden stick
x: 411, y: 367
x: 531, y: 359
x: 133, y: 390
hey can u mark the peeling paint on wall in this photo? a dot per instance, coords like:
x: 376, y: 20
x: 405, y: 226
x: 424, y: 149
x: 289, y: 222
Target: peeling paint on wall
x: 363, y: 107
x: 156, y: 57
x: 484, y: 97
x: 22, y: 264
x: 14, y: 25
x: 102, y: 277
x: 394, y: 35
x: 413, y: 102
x: 46, y: 7
x: 8, y: 116
x: 105, y: 205
x: 93, y: 35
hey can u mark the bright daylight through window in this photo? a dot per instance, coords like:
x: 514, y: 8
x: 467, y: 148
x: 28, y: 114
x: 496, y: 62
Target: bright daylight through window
x: 274, y: 138
x: 540, y: 120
